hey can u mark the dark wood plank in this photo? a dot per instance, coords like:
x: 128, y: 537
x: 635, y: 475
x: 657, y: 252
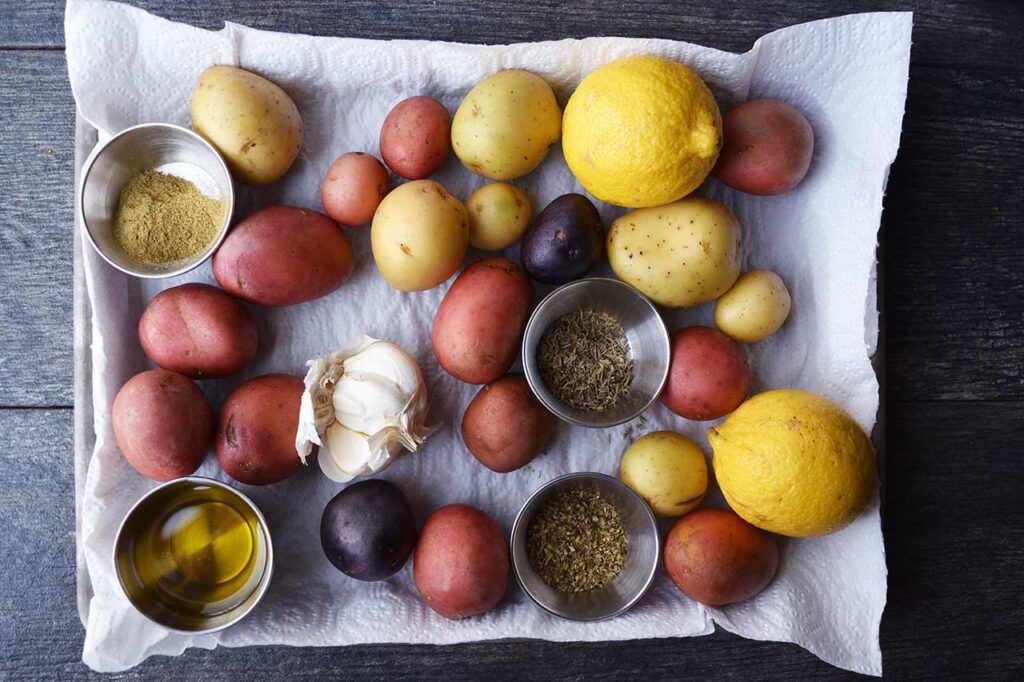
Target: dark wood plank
x: 36, y: 226
x: 952, y: 32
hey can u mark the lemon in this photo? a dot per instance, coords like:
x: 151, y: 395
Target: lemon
x: 641, y: 131
x: 793, y: 463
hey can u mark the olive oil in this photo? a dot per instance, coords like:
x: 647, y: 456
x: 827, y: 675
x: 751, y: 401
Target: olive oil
x: 190, y: 554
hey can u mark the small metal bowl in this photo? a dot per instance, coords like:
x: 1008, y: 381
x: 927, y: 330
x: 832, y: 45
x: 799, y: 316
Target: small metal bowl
x: 149, y: 602
x: 151, y: 146
x: 645, y: 330
x: 627, y: 587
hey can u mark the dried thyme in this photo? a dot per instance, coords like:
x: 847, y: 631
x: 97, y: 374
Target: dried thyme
x: 576, y: 542
x: 584, y: 360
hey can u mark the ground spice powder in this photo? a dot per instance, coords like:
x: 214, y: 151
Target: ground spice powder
x: 162, y: 218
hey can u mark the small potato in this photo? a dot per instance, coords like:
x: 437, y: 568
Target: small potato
x: 708, y: 375
x: 419, y: 236
x: 479, y: 325
x: 416, y: 137
x: 715, y: 557
x: 199, y: 331
x: 680, y: 255
x: 755, y: 308
x: 767, y: 147
x: 251, y: 121
x: 461, y: 565
x: 163, y: 424
x: 505, y: 426
x: 668, y: 470
x: 353, y: 188
x: 283, y: 255
x: 504, y: 127
x: 255, y: 440
x: 499, y: 213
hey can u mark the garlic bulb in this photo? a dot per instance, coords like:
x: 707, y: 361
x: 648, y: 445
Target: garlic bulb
x: 362, y: 405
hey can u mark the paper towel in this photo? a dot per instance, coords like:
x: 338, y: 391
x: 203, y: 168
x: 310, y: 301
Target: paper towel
x: 848, y: 75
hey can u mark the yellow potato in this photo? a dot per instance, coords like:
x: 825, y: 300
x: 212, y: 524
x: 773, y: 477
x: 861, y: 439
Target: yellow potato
x: 668, y: 470
x: 754, y: 308
x: 504, y: 126
x: 419, y: 235
x: 680, y: 255
x: 499, y: 213
x: 252, y: 122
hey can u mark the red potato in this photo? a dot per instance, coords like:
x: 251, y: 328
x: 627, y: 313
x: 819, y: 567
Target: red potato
x: 480, y: 322
x: 163, y: 424
x: 766, y: 149
x: 708, y: 375
x: 283, y: 255
x: 505, y: 426
x: 353, y: 188
x: 461, y: 565
x: 199, y: 331
x: 255, y: 440
x: 717, y: 558
x: 416, y: 137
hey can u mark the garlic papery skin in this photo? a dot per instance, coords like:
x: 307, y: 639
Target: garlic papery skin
x: 362, y: 405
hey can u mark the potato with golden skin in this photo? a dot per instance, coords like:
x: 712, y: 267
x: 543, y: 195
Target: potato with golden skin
x: 679, y: 255
x: 668, y: 470
x: 251, y: 121
x: 499, y: 214
x: 505, y: 426
x: 754, y: 308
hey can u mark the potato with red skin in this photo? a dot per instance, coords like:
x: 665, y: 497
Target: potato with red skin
x: 708, y: 375
x: 255, y: 440
x: 416, y: 137
x: 479, y: 325
x: 505, y: 426
x: 461, y: 565
x: 767, y: 147
x: 715, y: 557
x: 283, y: 255
x: 199, y: 331
x: 163, y: 424
x: 353, y: 188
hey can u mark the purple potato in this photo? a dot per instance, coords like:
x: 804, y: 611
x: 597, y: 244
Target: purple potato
x: 564, y: 242
x: 368, y: 531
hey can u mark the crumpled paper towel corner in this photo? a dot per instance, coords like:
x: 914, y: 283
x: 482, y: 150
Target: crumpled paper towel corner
x: 848, y: 75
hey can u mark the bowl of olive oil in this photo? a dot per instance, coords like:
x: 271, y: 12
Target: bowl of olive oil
x: 194, y: 555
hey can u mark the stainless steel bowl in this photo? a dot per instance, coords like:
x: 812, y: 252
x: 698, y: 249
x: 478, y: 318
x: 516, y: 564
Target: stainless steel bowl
x: 645, y: 330
x: 627, y: 587
x: 150, y: 146
x: 146, y: 509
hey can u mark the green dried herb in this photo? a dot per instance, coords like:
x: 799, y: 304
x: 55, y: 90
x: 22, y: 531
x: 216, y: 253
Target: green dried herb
x: 584, y: 360
x: 576, y: 541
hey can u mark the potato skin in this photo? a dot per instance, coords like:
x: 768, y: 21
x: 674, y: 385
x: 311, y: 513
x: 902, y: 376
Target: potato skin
x: 353, y: 188
x: 251, y: 121
x: 163, y: 424
x: 461, y: 564
x: 679, y: 255
x: 717, y: 558
x: 419, y: 235
x: 199, y: 331
x: 767, y: 147
x: 708, y: 375
x: 416, y: 137
x: 499, y: 214
x: 754, y: 308
x: 505, y: 426
x: 255, y: 440
x: 668, y: 470
x: 283, y: 255
x: 480, y: 322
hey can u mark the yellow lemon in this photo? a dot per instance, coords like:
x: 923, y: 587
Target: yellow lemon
x: 641, y: 131
x: 793, y: 463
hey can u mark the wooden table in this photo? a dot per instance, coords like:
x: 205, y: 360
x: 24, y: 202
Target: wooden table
x: 952, y: 256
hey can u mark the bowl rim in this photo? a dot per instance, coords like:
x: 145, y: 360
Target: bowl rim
x: 530, y: 369
x: 229, y: 201
x: 518, y: 529
x: 257, y: 594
